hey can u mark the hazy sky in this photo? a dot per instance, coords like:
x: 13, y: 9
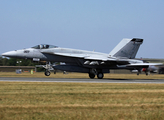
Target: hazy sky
x: 82, y: 24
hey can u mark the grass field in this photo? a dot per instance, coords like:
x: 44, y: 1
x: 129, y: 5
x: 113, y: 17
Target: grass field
x: 82, y: 75
x: 82, y: 101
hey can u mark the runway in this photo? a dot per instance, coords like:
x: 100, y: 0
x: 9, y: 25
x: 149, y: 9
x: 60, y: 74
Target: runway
x: 75, y: 80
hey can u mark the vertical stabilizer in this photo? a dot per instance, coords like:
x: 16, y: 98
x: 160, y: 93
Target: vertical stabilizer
x: 127, y: 48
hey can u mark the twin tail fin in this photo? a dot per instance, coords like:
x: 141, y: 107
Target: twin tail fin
x: 127, y: 48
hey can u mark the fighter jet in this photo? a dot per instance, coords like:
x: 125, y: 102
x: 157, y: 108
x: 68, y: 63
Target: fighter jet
x: 93, y: 63
x: 150, y: 69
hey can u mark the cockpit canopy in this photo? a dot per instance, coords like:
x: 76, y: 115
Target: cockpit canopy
x: 44, y: 46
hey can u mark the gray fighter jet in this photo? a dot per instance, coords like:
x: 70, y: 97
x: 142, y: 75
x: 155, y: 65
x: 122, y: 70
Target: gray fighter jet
x: 93, y: 63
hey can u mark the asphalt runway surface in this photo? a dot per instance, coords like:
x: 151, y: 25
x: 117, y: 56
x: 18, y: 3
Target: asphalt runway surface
x: 77, y: 80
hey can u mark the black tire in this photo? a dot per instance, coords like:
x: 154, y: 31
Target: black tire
x: 47, y: 73
x: 92, y: 76
x: 100, y: 75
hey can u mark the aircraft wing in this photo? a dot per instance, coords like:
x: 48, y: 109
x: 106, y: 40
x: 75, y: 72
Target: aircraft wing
x: 144, y: 64
x: 104, y: 59
x: 66, y: 54
x: 71, y: 55
x: 84, y: 56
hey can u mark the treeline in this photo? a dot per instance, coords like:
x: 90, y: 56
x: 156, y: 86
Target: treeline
x: 16, y: 62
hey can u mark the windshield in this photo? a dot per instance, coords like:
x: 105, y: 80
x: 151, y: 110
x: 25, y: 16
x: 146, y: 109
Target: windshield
x: 44, y: 46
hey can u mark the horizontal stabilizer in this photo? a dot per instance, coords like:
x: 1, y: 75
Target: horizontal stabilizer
x: 144, y: 64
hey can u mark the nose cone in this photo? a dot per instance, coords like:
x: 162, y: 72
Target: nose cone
x: 10, y: 54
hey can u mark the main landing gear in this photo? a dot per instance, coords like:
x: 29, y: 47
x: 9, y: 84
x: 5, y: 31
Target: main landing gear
x: 93, y: 73
x: 100, y: 75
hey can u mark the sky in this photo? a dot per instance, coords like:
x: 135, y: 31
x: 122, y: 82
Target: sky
x: 82, y: 24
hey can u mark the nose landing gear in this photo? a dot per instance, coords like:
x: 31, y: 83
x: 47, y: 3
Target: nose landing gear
x: 47, y: 73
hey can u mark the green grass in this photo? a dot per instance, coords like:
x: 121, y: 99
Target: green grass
x: 91, y: 101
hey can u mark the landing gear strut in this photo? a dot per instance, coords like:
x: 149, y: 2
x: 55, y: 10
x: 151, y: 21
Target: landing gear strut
x: 139, y: 71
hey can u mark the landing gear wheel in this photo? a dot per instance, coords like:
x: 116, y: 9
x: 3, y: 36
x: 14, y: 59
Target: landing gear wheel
x: 47, y: 73
x: 100, y: 75
x: 92, y: 76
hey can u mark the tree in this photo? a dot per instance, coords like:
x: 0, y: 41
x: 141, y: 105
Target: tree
x: 12, y: 62
x: 3, y: 61
x: 17, y: 62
